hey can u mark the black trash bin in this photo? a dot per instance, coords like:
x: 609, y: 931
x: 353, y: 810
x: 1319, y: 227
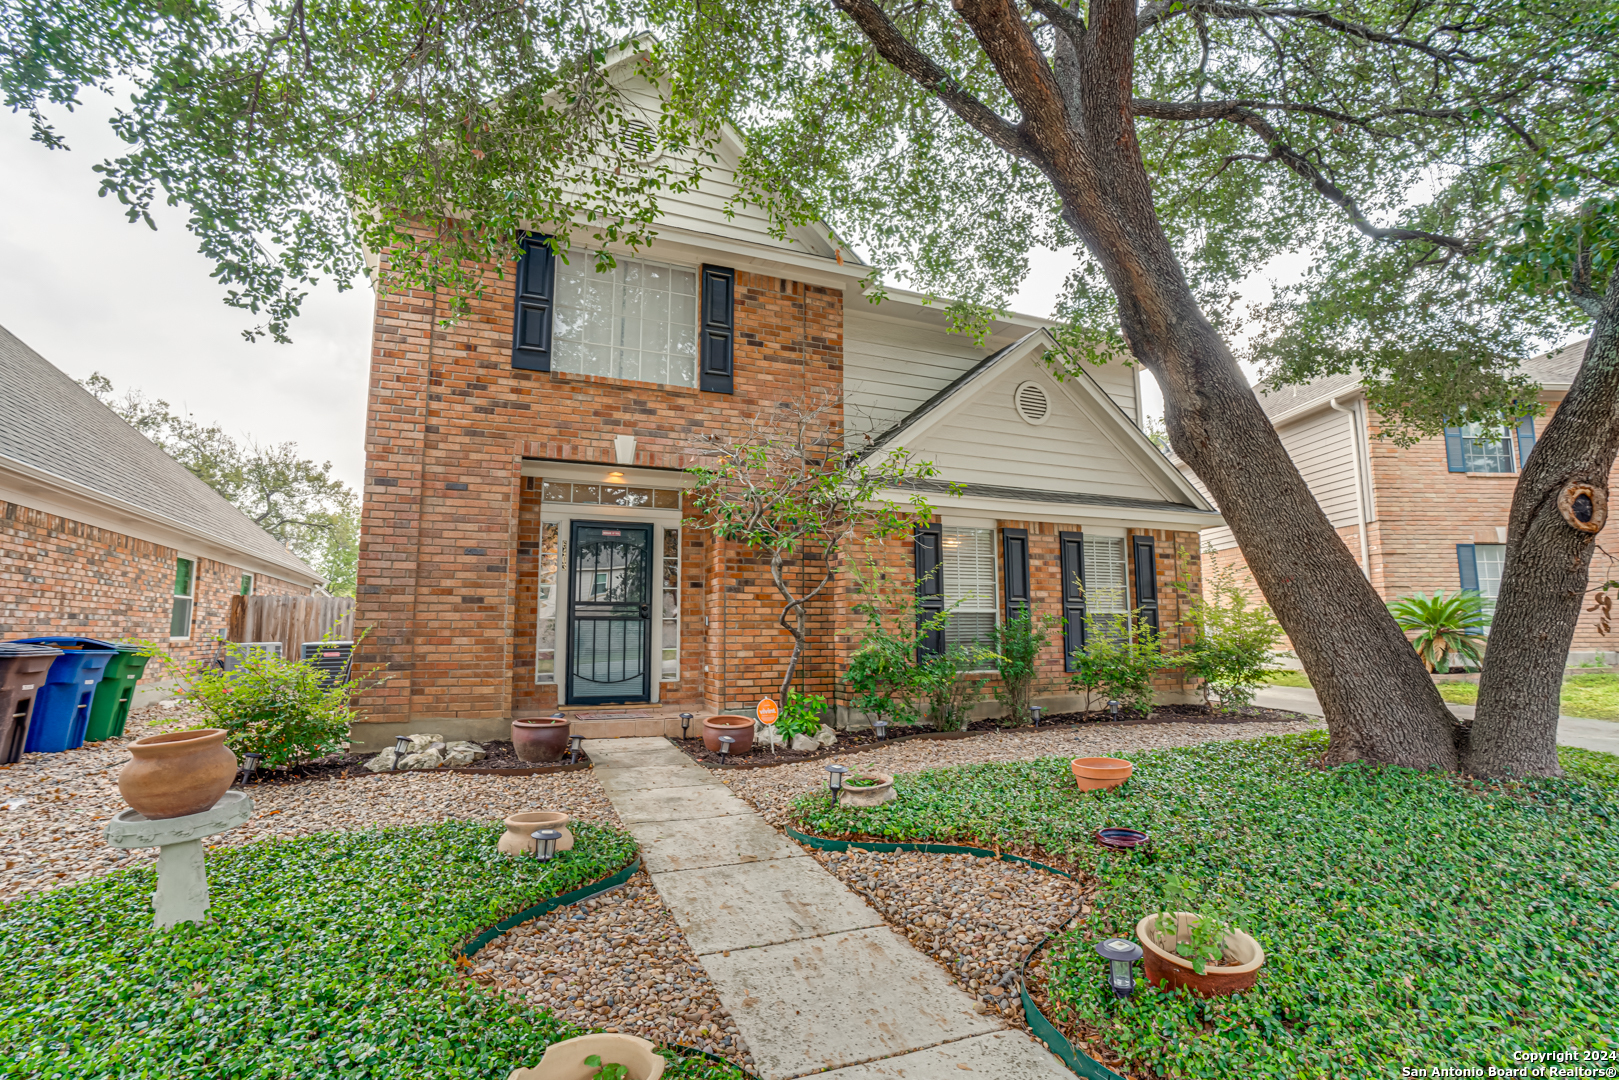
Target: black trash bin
x: 23, y: 669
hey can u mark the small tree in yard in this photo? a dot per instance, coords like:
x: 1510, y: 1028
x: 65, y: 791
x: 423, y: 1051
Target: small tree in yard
x: 785, y: 486
x: 1016, y: 645
x: 1235, y: 645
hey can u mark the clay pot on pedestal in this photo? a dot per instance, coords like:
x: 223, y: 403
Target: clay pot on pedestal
x: 518, y: 839
x: 540, y: 740
x: 180, y: 773
x: 739, y: 728
x: 1098, y: 773
x: 1237, y: 972
x: 565, y: 1060
x: 871, y: 794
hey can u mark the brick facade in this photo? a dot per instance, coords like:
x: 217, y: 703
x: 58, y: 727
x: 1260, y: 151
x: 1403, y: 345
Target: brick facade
x: 60, y: 577
x: 451, y: 540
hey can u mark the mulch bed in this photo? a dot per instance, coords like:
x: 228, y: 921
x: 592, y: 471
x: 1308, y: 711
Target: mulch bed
x: 502, y: 761
x: 762, y: 757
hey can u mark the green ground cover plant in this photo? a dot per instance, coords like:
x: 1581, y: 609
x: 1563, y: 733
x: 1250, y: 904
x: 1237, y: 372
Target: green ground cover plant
x: 1408, y: 917
x: 328, y: 956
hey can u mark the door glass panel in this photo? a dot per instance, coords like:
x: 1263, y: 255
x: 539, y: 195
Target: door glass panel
x: 612, y: 586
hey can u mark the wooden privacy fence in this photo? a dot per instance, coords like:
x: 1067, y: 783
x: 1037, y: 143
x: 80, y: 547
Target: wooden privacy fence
x: 291, y: 620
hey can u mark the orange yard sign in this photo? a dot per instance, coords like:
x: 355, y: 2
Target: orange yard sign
x: 768, y: 711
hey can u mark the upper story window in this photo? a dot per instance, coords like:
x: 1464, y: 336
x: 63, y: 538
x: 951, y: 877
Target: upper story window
x: 635, y: 321
x: 1479, y: 448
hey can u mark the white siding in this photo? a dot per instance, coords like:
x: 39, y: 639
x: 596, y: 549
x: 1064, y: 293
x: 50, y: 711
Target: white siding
x: 982, y: 440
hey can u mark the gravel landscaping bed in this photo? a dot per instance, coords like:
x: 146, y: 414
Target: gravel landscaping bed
x: 616, y: 963
x: 54, y: 808
x: 977, y: 917
x: 770, y: 791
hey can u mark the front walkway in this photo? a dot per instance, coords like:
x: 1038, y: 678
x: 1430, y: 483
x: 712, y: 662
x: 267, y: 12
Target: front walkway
x: 810, y: 974
x: 1600, y: 735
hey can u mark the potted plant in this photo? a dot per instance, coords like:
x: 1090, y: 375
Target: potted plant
x: 518, y: 839
x: 541, y: 739
x: 868, y: 789
x: 1099, y: 773
x: 605, y: 1055
x: 739, y: 728
x: 1202, y: 952
x: 178, y: 773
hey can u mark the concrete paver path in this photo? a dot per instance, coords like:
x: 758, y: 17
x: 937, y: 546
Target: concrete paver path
x: 813, y: 978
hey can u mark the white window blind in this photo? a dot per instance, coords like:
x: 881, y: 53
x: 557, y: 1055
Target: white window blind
x: 635, y: 321
x: 968, y: 567
x: 670, y: 644
x: 1107, y: 590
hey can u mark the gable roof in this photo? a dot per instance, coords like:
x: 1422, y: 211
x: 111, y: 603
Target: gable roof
x: 54, y: 431
x: 1161, y: 488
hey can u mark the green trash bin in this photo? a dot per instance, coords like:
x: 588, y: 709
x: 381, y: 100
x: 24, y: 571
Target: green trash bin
x: 110, y: 710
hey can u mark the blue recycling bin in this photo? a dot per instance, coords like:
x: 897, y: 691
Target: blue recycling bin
x: 62, y: 707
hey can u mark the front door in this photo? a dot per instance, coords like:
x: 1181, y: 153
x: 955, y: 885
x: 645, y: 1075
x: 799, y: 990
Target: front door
x: 610, y: 613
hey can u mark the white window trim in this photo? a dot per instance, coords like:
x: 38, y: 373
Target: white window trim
x: 196, y: 572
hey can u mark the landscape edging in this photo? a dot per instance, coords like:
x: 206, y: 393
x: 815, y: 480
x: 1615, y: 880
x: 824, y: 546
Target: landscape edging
x: 1044, y: 1030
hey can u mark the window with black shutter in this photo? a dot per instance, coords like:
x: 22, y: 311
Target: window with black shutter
x: 927, y: 543
x: 536, y: 294
x: 718, y: 331
x: 1071, y: 550
x: 1146, y: 561
x: 1015, y: 570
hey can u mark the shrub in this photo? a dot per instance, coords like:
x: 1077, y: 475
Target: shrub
x: 1445, y: 626
x: 1016, y: 645
x: 800, y: 715
x: 947, y: 692
x: 283, y: 709
x: 1118, y: 666
x: 880, y: 675
x: 1235, y: 647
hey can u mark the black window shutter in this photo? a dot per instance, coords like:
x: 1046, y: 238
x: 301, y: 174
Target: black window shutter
x: 1455, y: 456
x: 1015, y: 556
x: 1146, y: 579
x: 718, y: 331
x: 1071, y: 547
x: 928, y: 543
x: 536, y: 290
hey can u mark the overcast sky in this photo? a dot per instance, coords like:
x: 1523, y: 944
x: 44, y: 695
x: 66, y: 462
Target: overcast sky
x: 91, y: 292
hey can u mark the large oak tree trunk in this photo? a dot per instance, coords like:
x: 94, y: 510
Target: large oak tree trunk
x: 1548, y: 565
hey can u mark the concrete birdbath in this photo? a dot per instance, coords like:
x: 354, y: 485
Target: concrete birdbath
x: 182, y: 883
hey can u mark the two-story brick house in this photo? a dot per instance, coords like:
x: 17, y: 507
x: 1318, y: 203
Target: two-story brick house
x: 527, y: 540
x: 1427, y: 518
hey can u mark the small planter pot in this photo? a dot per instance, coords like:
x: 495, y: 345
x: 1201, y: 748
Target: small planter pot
x: 1163, y: 968
x: 565, y: 1060
x: 739, y: 728
x: 540, y: 740
x: 518, y: 839
x: 181, y: 773
x: 1098, y: 773
x: 874, y: 795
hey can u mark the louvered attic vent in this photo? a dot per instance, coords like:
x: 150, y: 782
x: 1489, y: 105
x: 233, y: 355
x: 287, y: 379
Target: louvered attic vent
x: 1032, y: 403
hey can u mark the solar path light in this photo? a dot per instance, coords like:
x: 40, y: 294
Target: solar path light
x: 834, y: 780
x: 1121, y: 955
x: 545, y: 844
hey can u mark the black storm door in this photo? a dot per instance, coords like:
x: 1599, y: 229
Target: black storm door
x: 610, y: 613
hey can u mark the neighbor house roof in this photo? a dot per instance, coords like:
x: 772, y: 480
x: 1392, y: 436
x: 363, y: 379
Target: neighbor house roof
x: 57, y: 441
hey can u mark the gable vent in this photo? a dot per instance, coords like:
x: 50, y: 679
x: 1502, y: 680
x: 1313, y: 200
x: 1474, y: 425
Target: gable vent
x: 1032, y: 403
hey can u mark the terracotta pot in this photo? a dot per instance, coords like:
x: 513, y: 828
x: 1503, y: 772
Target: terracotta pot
x: 183, y: 772
x: 1097, y: 773
x: 565, y: 1060
x: 739, y: 728
x: 540, y: 740
x: 1163, y: 968
x: 518, y: 839
x: 874, y: 795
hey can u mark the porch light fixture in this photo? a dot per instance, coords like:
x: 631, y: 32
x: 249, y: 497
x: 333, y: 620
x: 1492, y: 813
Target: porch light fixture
x: 725, y: 746
x: 685, y: 724
x: 1121, y: 955
x: 1113, y: 707
x: 881, y: 727
x: 834, y: 780
x: 401, y: 744
x: 250, y: 762
x: 545, y: 844
x: 1035, y: 711
x: 575, y: 745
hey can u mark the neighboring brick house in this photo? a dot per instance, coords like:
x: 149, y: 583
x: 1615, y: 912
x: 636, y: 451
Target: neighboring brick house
x: 525, y: 470
x: 1426, y: 518
x: 104, y: 535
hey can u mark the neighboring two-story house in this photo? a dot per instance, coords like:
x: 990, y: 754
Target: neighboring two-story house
x: 1422, y: 519
x: 528, y: 541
